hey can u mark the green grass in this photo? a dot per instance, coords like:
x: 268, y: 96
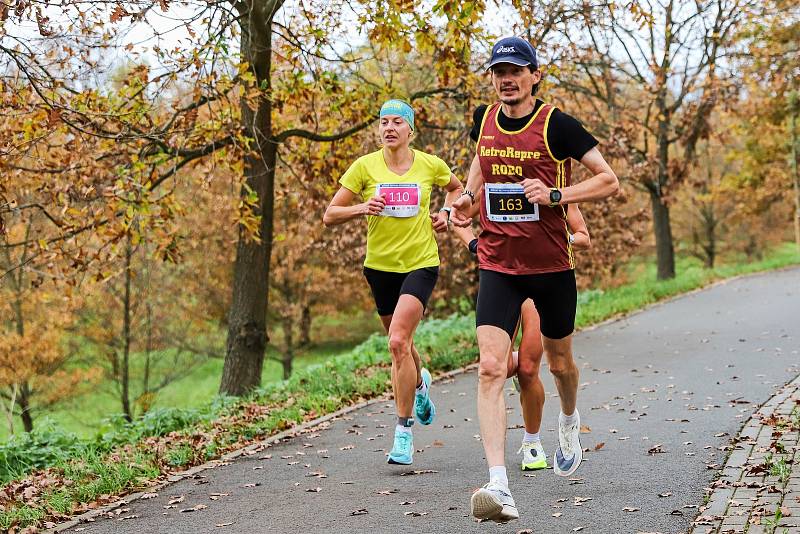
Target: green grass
x: 84, y: 414
x: 200, y: 433
x: 596, y: 305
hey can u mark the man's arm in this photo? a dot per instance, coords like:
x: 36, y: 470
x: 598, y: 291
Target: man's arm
x: 602, y: 184
x: 454, y: 190
x: 461, y: 207
x: 577, y: 228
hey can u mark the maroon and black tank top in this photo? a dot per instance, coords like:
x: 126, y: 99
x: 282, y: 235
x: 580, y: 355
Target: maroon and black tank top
x: 531, y: 246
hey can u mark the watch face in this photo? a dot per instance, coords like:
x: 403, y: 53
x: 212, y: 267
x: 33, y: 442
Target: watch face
x: 555, y: 196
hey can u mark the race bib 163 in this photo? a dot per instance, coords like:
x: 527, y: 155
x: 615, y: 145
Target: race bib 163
x: 507, y: 203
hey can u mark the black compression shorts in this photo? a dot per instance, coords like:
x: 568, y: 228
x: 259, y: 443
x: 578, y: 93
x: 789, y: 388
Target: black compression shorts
x: 501, y: 295
x: 387, y: 287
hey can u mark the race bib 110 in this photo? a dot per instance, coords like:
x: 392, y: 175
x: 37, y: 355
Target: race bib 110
x: 507, y: 203
x: 402, y: 200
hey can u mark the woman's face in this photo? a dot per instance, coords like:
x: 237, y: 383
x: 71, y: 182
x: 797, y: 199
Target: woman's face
x: 394, y: 131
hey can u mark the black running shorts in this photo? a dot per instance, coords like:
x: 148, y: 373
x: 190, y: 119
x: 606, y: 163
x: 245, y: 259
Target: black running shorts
x: 387, y: 287
x: 501, y: 295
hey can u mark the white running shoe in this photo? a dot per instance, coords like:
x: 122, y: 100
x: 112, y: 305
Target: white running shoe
x: 493, y: 502
x: 569, y: 454
x: 533, y: 456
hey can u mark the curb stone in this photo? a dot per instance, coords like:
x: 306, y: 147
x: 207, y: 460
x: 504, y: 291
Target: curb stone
x: 758, y: 490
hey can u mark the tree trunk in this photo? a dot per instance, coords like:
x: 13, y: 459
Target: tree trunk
x: 247, y: 320
x: 793, y: 101
x: 124, y: 375
x: 305, y: 326
x: 288, y: 352
x: 25, y: 407
x: 665, y: 253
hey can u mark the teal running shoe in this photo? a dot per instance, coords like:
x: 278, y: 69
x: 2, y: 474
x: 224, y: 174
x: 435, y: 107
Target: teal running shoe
x: 424, y: 410
x: 403, y: 449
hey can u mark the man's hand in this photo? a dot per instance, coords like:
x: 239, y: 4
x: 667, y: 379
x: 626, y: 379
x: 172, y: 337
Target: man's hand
x: 536, y: 191
x: 462, y: 204
x: 373, y: 206
x: 459, y: 219
x: 439, y: 221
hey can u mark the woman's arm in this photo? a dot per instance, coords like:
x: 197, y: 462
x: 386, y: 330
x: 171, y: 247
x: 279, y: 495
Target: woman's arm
x: 577, y: 227
x: 340, y: 210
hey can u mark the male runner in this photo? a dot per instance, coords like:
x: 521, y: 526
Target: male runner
x: 524, y: 364
x: 524, y: 252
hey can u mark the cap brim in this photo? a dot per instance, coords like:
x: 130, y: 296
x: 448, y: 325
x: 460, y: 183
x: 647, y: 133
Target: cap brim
x: 517, y: 62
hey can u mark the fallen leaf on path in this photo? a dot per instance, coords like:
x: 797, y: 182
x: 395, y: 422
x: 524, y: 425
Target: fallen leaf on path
x: 386, y: 492
x: 252, y: 485
x: 360, y: 511
x: 665, y: 494
x: 314, y: 490
x: 195, y: 508
x: 656, y: 449
x: 418, y: 472
x: 176, y: 499
x: 220, y: 525
x: 600, y: 445
x: 558, y: 514
x: 416, y: 514
x: 585, y: 429
x: 578, y: 529
x: 149, y: 496
x: 630, y: 509
x: 406, y: 503
x: 347, y: 447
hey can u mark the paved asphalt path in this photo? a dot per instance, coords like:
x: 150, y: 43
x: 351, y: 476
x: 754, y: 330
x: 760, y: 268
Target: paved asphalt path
x: 680, y: 378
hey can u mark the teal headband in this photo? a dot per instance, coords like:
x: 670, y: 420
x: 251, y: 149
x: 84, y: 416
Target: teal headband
x: 398, y: 107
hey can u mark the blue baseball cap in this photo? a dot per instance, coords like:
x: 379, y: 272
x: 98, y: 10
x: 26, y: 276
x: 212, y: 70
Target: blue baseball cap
x: 398, y: 107
x: 514, y: 50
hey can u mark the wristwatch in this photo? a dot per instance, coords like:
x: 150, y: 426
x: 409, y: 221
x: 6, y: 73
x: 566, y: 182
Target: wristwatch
x: 448, y: 210
x: 571, y: 238
x: 555, y: 197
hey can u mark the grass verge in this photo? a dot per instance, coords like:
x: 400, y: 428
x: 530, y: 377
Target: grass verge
x: 51, y: 475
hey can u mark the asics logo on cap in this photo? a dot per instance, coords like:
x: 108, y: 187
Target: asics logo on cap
x: 505, y: 50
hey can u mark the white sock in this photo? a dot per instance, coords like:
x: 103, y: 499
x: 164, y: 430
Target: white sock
x: 401, y: 428
x: 568, y: 419
x: 498, y: 474
x: 422, y: 388
x: 531, y: 438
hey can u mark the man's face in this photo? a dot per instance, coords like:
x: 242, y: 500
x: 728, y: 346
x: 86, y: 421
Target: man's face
x: 513, y: 83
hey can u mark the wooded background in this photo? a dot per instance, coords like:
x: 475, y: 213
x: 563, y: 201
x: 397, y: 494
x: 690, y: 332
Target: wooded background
x: 164, y: 165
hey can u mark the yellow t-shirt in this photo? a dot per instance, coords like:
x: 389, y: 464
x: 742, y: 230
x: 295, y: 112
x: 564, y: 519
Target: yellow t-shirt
x: 399, y: 244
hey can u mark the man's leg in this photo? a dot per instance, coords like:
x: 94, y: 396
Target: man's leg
x: 564, y: 371
x: 530, y: 360
x: 493, y: 343
x: 569, y: 454
x: 531, y: 389
x: 496, y: 318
